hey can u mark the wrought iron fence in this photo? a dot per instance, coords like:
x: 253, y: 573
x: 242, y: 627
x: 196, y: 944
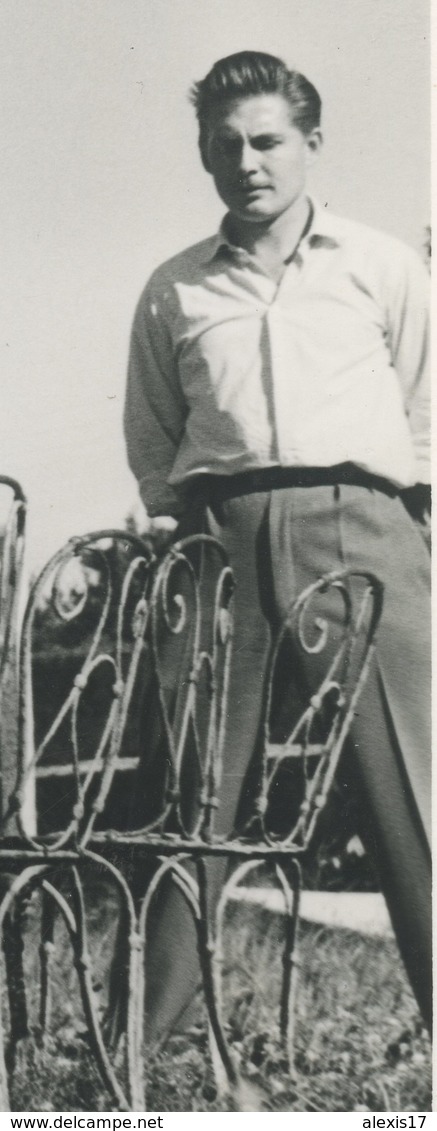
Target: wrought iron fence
x: 123, y: 677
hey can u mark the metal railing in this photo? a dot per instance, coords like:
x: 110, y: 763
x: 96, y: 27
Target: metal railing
x: 124, y: 669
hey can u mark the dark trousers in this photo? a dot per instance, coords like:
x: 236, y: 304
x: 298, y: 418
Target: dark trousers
x: 278, y: 542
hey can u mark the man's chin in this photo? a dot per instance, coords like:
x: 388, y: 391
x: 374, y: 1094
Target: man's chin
x: 253, y: 212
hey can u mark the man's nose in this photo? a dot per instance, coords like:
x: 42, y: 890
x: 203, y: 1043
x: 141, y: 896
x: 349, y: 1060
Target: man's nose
x: 247, y: 162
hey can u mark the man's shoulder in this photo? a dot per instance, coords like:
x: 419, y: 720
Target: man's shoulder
x: 184, y: 266
x: 372, y: 242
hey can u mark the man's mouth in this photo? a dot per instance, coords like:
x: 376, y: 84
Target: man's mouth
x: 252, y: 190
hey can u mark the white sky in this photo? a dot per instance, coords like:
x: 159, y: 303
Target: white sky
x: 101, y: 181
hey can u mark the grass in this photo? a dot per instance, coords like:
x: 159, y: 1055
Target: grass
x: 360, y: 1044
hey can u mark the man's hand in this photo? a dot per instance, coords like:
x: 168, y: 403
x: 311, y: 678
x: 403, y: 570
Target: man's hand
x: 417, y: 501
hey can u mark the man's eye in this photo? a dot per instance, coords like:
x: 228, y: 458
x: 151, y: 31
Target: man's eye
x: 266, y: 142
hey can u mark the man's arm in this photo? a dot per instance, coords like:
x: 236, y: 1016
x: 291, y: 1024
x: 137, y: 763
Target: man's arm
x: 155, y: 410
x: 407, y: 312
x: 408, y: 334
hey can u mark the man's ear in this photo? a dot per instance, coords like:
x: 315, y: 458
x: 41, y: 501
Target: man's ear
x: 314, y: 143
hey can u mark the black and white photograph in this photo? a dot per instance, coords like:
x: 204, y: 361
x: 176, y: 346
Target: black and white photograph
x: 215, y: 539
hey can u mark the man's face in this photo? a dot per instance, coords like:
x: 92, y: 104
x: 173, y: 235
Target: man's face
x: 257, y: 157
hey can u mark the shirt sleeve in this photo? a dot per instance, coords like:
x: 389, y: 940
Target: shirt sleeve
x: 407, y: 313
x: 155, y: 411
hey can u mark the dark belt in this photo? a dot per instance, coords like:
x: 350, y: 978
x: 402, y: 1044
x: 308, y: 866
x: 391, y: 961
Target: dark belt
x: 221, y: 487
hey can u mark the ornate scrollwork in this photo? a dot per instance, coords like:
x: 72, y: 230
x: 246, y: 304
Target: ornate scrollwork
x: 87, y: 617
x: 343, y: 639
x: 192, y: 700
x: 127, y: 640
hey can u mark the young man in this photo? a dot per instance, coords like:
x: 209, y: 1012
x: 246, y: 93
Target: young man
x: 277, y: 395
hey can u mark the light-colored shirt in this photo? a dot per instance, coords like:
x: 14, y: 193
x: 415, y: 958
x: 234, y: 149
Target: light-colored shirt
x: 231, y: 372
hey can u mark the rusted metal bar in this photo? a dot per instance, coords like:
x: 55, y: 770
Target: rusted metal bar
x: 12, y: 546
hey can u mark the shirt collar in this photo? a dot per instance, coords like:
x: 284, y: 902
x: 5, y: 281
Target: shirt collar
x: 323, y: 232
x: 221, y: 242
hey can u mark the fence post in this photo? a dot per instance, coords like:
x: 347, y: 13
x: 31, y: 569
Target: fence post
x: 12, y: 601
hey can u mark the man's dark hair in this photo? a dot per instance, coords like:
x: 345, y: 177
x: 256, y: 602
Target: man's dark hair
x: 255, y: 72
